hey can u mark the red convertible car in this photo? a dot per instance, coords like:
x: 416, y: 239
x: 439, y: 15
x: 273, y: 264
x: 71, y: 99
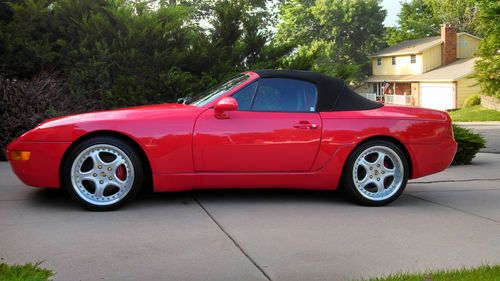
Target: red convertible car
x: 262, y: 129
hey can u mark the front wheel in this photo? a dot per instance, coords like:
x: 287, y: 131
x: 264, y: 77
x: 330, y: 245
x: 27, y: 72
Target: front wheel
x: 376, y: 173
x: 103, y: 173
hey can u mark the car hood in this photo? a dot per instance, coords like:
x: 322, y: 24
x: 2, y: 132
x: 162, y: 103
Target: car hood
x: 129, y: 113
x: 59, y: 128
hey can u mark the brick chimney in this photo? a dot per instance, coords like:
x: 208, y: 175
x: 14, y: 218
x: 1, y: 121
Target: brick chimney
x: 449, y: 45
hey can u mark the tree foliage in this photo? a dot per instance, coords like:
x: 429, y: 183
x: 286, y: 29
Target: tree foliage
x: 461, y: 13
x: 422, y: 18
x: 127, y: 53
x: 488, y: 65
x: 416, y: 20
x: 332, y: 36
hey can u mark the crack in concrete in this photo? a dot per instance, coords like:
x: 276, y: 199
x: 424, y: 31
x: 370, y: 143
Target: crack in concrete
x: 233, y: 240
x: 453, y: 208
x: 441, y: 181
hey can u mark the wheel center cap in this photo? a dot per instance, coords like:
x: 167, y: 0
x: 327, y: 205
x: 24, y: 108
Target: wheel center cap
x: 103, y: 174
x: 376, y: 172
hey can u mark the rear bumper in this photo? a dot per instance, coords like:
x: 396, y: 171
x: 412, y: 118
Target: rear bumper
x: 431, y: 158
x: 42, y: 169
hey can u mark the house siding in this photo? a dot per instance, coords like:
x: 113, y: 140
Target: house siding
x: 465, y: 88
x: 403, y: 65
x: 431, y: 58
x: 466, y: 46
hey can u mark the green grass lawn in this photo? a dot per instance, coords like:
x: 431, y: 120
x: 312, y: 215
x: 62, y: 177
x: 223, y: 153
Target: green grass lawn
x: 24, y: 272
x: 482, y: 273
x: 33, y: 272
x: 475, y: 113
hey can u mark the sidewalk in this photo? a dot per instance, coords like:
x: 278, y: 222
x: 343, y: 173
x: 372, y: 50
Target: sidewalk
x: 485, y: 166
x: 490, y: 131
x: 478, y: 123
x: 448, y: 220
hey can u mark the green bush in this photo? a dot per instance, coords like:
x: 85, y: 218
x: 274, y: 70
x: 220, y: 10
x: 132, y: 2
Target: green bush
x: 469, y: 143
x: 24, y: 272
x: 472, y: 100
x: 26, y: 103
x: 127, y: 53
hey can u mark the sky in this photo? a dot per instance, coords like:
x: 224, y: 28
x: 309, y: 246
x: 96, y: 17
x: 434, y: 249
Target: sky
x: 393, y: 7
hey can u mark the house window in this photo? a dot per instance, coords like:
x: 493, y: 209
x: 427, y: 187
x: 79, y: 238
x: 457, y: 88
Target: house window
x: 413, y: 59
x: 393, y: 60
x: 379, y: 61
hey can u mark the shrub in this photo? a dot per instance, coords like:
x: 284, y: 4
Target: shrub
x: 130, y: 53
x: 469, y: 143
x: 472, y: 100
x: 26, y: 103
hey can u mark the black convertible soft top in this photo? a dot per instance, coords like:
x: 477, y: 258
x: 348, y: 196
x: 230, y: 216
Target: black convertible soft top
x: 334, y: 94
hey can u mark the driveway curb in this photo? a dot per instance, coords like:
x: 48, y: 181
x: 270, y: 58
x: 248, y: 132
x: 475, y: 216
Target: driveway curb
x: 476, y: 123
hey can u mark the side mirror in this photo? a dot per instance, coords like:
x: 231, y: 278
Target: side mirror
x: 225, y: 104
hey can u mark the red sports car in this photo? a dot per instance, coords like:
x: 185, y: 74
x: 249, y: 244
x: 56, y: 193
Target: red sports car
x: 262, y: 129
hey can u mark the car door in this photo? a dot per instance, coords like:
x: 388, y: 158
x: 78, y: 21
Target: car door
x: 275, y: 129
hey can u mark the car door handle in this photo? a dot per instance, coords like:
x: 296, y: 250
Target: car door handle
x: 305, y: 125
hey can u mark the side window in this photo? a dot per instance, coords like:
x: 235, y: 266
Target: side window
x: 285, y: 95
x: 244, y: 96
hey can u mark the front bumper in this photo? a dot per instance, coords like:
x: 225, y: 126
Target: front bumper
x: 42, y: 169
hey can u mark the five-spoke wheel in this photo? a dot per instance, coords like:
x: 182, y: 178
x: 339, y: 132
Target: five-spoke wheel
x: 103, y: 173
x: 376, y: 173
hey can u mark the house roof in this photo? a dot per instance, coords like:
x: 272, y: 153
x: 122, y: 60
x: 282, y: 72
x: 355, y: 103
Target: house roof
x: 416, y: 46
x: 390, y: 78
x: 451, y: 72
x: 409, y: 47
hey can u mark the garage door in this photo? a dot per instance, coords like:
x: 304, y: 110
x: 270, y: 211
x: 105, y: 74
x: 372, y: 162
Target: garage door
x: 437, y: 96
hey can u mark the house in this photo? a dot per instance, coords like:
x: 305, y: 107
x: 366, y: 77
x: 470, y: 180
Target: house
x: 432, y: 72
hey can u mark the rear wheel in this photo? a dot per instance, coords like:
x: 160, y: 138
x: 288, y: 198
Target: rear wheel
x: 103, y: 173
x: 376, y: 173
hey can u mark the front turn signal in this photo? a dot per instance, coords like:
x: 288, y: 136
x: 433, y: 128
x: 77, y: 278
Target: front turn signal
x: 20, y: 155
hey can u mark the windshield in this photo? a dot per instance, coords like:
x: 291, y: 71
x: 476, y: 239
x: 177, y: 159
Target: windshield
x: 213, y: 93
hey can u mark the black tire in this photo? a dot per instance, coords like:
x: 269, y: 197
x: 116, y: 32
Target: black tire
x: 365, y: 197
x: 134, y: 165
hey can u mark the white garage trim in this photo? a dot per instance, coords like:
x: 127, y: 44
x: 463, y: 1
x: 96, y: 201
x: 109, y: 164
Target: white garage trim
x: 441, y: 96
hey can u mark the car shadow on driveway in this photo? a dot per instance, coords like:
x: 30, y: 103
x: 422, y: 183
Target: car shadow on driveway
x: 271, y: 196
x: 51, y: 198
x: 59, y: 199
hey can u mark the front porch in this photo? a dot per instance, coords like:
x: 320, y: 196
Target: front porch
x: 399, y: 93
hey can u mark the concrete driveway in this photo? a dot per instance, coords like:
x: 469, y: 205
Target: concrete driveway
x: 448, y: 220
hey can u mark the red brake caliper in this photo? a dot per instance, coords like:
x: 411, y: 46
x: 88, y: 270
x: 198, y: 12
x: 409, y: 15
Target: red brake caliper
x: 121, y: 173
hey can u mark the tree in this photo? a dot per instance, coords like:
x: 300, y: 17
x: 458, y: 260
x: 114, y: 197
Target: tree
x: 338, y: 35
x: 488, y: 65
x: 423, y: 18
x: 461, y: 13
x: 122, y: 52
x: 416, y: 20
